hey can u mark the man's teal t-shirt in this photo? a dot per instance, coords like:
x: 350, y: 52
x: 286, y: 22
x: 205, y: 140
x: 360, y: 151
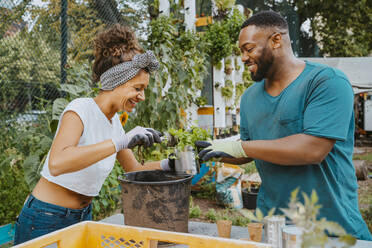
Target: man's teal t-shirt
x: 319, y: 103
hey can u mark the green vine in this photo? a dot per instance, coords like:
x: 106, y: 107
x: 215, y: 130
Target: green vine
x: 228, y: 66
x: 182, y: 63
x: 227, y: 90
x: 201, y: 101
x: 222, y: 35
x: 239, y: 90
x: 246, y: 76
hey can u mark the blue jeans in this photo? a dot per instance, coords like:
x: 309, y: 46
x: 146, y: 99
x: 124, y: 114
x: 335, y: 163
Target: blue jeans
x: 38, y: 218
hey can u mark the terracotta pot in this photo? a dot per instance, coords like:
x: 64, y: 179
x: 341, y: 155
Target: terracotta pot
x: 224, y: 228
x: 255, y: 231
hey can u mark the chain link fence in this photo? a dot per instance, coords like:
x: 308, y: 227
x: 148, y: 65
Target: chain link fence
x: 29, y: 66
x: 40, y: 39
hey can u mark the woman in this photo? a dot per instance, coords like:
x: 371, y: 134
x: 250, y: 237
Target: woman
x: 90, y: 137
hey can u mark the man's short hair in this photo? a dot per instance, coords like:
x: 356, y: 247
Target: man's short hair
x: 266, y: 19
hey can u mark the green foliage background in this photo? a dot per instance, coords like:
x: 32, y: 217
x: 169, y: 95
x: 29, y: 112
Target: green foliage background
x: 342, y: 26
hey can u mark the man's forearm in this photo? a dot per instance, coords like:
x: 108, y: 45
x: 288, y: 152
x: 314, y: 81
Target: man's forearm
x: 299, y: 149
x: 237, y: 161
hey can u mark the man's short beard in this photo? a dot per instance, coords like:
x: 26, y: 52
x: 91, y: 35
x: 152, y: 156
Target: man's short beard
x: 263, y: 65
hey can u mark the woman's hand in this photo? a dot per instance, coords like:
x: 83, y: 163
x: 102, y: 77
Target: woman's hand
x: 138, y: 136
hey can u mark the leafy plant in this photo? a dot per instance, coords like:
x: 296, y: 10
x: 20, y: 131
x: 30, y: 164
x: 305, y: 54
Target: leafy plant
x: 14, y: 189
x: 247, y: 80
x: 223, y: 215
x: 257, y: 216
x: 228, y: 62
x: 182, y: 68
x: 109, y: 197
x: 303, y: 215
x: 227, y: 91
x: 232, y: 26
x: 236, y: 49
x: 207, y: 188
x: 239, y: 90
x: 194, y: 210
x: 236, y: 64
x: 187, y: 138
x: 223, y: 8
x: 325, y: 17
x: 211, y: 215
x: 218, y: 65
x: 218, y: 42
x: 33, y: 163
x: 201, y: 101
x: 228, y: 66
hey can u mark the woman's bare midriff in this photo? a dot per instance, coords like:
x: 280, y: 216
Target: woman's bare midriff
x: 53, y: 193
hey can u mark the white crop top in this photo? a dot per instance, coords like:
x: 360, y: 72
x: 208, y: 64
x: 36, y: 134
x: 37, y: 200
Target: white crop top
x: 97, y: 128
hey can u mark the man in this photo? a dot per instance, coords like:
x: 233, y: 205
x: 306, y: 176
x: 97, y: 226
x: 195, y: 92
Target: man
x: 297, y: 123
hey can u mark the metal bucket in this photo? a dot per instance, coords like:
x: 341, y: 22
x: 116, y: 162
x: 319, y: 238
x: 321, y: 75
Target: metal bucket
x: 273, y: 230
x: 156, y: 199
x: 292, y: 237
x: 186, y: 162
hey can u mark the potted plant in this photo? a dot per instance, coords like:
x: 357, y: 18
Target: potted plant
x: 250, y: 194
x: 218, y: 65
x: 239, y: 90
x: 223, y: 225
x: 228, y: 66
x: 236, y: 49
x: 201, y: 101
x: 236, y: 64
x: 227, y: 91
x: 257, y: 222
x: 314, y: 231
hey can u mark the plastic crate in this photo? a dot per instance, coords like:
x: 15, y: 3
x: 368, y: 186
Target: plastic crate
x: 94, y: 234
x: 6, y: 234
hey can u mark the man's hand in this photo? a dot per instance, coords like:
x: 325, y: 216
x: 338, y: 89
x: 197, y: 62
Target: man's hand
x: 217, y: 150
x: 138, y: 136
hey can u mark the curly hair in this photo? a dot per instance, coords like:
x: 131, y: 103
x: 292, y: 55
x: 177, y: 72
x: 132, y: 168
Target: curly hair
x: 265, y: 19
x: 113, y: 46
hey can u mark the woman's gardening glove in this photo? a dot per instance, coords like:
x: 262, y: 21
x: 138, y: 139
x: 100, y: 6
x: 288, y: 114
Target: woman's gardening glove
x: 217, y: 150
x: 138, y: 136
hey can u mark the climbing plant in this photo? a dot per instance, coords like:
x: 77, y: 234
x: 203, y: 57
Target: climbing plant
x: 221, y: 35
x: 182, y: 68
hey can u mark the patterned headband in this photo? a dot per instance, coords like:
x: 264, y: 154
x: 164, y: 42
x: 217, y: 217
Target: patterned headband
x: 122, y: 73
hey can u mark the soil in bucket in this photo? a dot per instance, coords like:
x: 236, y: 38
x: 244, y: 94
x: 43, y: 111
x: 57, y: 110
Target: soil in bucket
x: 156, y: 199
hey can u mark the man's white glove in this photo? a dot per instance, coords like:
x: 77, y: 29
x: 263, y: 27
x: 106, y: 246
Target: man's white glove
x: 217, y: 150
x: 138, y: 136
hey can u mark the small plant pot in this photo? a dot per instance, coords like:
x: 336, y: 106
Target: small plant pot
x: 249, y: 199
x: 224, y: 228
x: 228, y: 70
x: 255, y: 231
x: 254, y: 190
